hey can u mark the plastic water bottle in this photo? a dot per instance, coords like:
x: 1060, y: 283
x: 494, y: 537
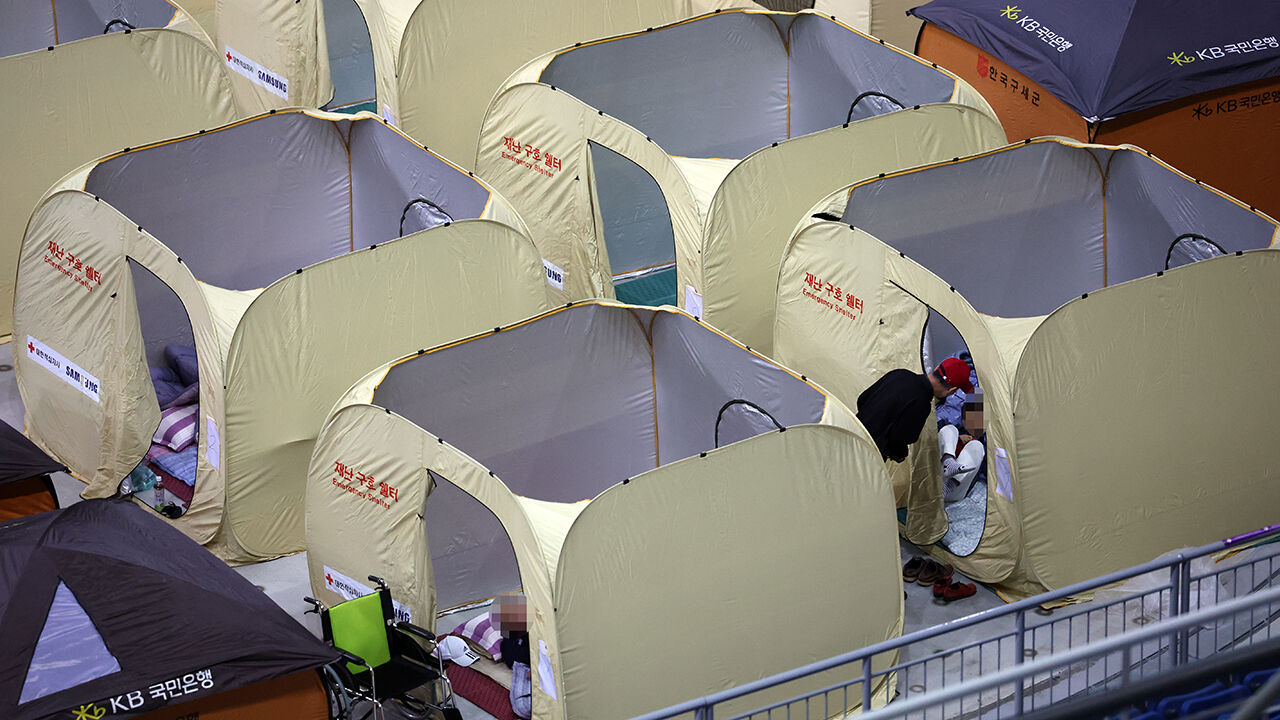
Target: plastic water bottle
x: 139, y: 479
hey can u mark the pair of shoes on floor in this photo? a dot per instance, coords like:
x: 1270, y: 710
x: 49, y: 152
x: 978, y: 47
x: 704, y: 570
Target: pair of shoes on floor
x: 926, y: 571
x: 912, y: 569
x: 948, y: 591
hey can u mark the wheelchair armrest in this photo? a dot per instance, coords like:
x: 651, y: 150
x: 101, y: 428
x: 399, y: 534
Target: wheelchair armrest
x: 412, y: 629
x: 351, y: 657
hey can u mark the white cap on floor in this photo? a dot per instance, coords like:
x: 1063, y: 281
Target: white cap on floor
x: 452, y: 647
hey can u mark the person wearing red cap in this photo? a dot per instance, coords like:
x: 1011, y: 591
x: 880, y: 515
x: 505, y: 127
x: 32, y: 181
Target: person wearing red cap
x: 895, y: 408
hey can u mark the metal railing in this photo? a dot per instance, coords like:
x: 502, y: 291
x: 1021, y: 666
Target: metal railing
x: 926, y: 662
x: 1127, y: 651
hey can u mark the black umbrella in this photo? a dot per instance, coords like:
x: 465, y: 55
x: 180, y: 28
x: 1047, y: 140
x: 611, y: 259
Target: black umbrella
x: 107, y: 610
x: 20, y: 459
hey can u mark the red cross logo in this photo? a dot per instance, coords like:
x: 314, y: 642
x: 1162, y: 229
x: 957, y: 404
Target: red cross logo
x: 328, y: 579
x: 31, y: 348
x: 228, y: 57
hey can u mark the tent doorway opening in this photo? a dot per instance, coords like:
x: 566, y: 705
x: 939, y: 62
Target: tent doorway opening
x: 472, y: 558
x: 635, y: 227
x: 165, y: 479
x: 962, y: 436
x: 350, y: 58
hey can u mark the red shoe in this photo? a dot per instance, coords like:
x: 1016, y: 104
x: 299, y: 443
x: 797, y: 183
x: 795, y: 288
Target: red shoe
x: 959, y: 591
x: 939, y: 588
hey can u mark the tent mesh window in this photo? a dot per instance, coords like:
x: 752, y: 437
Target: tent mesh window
x: 69, y: 652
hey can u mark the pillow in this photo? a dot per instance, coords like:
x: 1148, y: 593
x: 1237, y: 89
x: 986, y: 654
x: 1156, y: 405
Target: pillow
x: 189, y: 396
x: 481, y: 632
x: 177, y: 427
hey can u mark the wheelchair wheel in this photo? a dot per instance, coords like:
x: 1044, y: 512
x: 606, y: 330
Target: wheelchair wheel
x: 340, y: 701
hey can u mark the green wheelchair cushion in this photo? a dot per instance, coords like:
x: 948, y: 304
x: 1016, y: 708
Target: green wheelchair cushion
x: 360, y: 628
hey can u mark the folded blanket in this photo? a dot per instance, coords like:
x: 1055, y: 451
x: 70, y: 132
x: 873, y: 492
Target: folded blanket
x: 158, y: 451
x: 178, y: 381
x: 168, y: 386
x: 481, y: 691
x: 181, y: 465
x: 190, y: 395
x: 494, y: 670
x: 174, y: 486
x: 182, y: 358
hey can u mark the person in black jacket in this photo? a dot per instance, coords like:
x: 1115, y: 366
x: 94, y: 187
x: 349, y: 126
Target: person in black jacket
x: 513, y: 622
x: 895, y: 408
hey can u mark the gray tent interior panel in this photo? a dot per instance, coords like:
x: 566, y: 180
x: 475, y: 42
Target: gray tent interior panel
x: 831, y: 67
x: 742, y: 419
x: 1148, y: 207
x: 471, y: 554
x: 566, y: 406
x: 88, y: 18
x: 1042, y: 205
x: 697, y: 371
x: 1020, y: 211
x: 28, y: 25
x: 243, y: 206
x: 388, y: 171
x: 559, y: 409
x: 637, y: 224
x: 350, y: 54
x: 715, y: 87
x: 941, y: 340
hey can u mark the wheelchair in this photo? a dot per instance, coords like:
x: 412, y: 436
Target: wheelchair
x: 382, y: 661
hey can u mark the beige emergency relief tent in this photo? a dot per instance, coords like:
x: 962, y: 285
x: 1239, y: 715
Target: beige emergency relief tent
x: 1122, y: 422
x: 172, y: 245
x: 758, y: 204
x: 884, y: 19
x: 655, y: 489
x: 39, y: 24
x: 457, y: 52
x: 614, y: 149
x: 275, y: 52
x: 81, y: 100
x: 438, y: 62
